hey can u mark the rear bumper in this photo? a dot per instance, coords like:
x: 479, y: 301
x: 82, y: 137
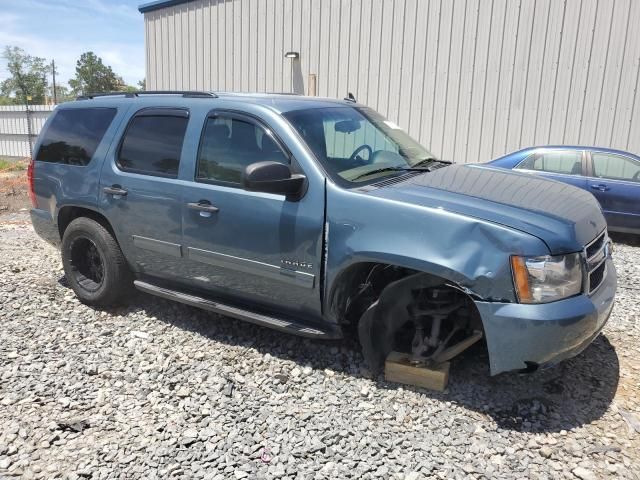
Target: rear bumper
x: 518, y: 334
x: 45, y: 226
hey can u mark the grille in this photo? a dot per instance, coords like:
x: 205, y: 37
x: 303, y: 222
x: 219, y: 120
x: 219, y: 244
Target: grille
x: 596, y: 245
x: 597, y: 276
x: 596, y: 255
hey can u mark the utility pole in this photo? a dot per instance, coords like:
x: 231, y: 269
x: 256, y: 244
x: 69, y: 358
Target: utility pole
x: 27, y: 99
x: 44, y: 88
x: 53, y: 72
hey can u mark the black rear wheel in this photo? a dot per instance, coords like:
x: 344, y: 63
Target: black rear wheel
x: 94, y: 264
x: 87, y: 264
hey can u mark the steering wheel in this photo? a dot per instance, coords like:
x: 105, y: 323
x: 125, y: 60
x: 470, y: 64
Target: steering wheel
x: 357, y: 151
x: 637, y: 175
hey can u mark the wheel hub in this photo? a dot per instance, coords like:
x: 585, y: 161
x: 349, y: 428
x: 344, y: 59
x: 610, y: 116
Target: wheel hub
x: 87, y: 263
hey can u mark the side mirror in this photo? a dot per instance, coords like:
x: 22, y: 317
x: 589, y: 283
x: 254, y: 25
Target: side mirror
x: 273, y: 177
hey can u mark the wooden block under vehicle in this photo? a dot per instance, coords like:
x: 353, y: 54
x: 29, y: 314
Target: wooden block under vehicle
x: 397, y: 368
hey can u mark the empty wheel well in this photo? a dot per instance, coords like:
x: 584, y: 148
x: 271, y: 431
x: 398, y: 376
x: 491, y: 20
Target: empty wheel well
x: 359, y: 286
x: 67, y: 214
x: 396, y: 308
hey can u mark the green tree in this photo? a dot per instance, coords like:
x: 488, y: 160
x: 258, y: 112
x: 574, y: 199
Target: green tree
x: 93, y: 76
x: 143, y: 84
x: 132, y: 89
x: 28, y: 80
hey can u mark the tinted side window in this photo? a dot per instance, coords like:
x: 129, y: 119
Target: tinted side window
x: 615, y: 167
x: 152, y: 145
x: 74, y: 134
x: 566, y: 162
x: 229, y: 145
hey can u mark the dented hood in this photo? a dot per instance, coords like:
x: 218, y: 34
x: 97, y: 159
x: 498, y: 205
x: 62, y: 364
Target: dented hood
x: 566, y: 218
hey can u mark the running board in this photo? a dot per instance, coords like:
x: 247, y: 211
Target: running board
x: 235, y: 312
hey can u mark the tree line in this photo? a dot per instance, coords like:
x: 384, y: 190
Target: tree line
x: 28, y: 82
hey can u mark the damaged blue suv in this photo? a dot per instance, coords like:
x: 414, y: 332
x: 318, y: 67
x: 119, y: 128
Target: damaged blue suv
x: 316, y: 217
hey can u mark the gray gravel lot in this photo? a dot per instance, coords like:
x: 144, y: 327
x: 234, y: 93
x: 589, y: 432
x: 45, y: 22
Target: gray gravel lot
x: 158, y: 390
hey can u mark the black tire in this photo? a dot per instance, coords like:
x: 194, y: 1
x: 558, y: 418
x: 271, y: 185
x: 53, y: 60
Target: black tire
x: 94, y: 264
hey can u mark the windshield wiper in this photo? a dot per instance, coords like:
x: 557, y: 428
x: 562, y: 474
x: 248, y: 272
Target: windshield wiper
x: 421, y: 166
x: 425, y: 162
x: 380, y: 170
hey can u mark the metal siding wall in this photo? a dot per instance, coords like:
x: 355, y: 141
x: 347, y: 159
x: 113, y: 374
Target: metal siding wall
x: 471, y: 79
x: 14, y: 131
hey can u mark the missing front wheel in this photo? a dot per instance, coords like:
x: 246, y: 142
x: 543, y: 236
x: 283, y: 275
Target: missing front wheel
x: 421, y: 316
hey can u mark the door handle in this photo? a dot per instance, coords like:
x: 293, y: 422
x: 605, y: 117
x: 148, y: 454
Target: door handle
x: 602, y: 187
x: 115, y: 190
x: 202, y: 206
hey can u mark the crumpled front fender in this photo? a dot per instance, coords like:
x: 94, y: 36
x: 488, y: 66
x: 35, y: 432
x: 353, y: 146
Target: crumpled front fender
x: 469, y: 252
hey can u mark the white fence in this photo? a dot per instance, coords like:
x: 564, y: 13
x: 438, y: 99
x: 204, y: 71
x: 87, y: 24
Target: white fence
x: 19, y: 128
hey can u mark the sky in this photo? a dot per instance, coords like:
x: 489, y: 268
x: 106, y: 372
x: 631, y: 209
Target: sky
x: 64, y: 29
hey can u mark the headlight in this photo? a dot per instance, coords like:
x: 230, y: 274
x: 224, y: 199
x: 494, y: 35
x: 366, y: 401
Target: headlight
x: 548, y: 278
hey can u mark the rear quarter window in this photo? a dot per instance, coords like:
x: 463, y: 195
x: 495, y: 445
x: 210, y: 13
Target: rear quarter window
x: 74, y: 135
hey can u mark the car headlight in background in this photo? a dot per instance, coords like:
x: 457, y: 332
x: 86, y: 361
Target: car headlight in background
x: 547, y: 278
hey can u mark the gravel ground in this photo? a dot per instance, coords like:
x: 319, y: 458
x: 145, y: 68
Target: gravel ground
x: 162, y: 390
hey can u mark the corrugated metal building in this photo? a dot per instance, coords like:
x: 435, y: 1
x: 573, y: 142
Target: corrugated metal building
x: 471, y: 79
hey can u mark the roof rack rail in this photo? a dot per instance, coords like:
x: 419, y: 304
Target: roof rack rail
x: 89, y: 96
x: 184, y: 93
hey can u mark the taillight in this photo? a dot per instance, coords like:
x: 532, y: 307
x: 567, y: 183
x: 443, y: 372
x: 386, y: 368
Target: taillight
x: 30, y: 179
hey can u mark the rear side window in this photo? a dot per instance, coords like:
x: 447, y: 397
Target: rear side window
x: 567, y: 162
x: 74, y: 134
x: 615, y: 167
x: 152, y: 144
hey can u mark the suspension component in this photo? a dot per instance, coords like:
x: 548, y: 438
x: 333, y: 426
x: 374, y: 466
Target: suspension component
x: 431, y: 308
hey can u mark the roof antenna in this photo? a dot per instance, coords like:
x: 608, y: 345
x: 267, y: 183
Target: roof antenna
x: 350, y: 98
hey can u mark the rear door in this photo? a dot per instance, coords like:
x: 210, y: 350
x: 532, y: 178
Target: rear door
x: 138, y: 191
x: 568, y: 166
x: 256, y: 249
x: 615, y: 181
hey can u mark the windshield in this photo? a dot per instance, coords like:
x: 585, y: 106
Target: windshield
x: 358, y: 144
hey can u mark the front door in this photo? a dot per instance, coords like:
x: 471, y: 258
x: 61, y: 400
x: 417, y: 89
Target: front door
x: 254, y: 249
x: 138, y: 192
x: 615, y: 181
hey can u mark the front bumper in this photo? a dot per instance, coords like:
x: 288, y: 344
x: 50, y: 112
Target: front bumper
x: 518, y: 334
